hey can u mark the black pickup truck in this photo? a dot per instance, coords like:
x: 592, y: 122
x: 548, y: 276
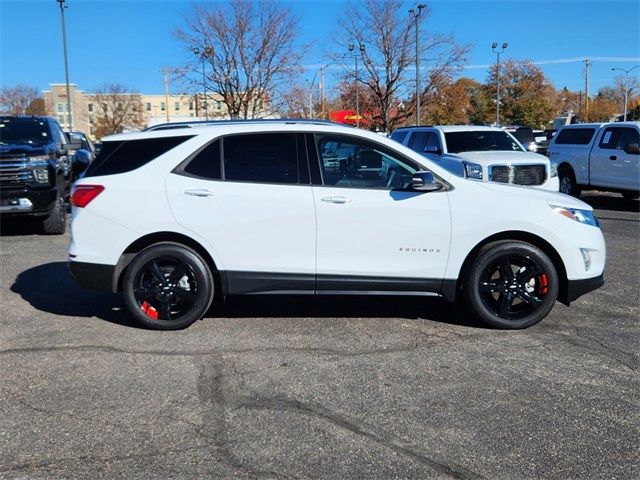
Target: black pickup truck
x: 36, y: 170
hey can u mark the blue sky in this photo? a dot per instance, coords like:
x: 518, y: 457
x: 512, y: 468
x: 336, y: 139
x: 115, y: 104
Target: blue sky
x: 129, y: 41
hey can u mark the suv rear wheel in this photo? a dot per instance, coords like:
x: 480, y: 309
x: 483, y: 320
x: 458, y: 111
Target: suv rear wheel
x: 168, y: 287
x: 511, y: 285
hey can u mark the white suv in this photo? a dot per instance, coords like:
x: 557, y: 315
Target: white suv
x: 175, y: 218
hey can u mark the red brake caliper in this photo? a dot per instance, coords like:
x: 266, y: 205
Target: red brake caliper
x: 149, y: 310
x: 544, y: 284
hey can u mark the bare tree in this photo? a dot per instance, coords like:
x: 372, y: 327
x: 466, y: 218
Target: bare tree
x: 252, y: 52
x: 116, y: 109
x: 387, y: 32
x: 17, y: 100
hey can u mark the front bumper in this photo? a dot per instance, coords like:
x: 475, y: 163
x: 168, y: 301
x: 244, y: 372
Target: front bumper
x: 93, y: 275
x: 577, y: 288
x: 27, y: 201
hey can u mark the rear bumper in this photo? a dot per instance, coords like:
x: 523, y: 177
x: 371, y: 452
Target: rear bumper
x: 577, y: 288
x: 93, y: 275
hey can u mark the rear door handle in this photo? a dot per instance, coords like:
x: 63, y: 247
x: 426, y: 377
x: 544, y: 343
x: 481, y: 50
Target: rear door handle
x: 336, y: 199
x: 199, y: 192
x: 613, y: 157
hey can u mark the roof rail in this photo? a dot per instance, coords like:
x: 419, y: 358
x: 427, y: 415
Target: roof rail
x: 212, y: 123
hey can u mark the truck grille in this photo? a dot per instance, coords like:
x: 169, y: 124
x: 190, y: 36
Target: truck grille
x: 15, y: 172
x: 518, y: 174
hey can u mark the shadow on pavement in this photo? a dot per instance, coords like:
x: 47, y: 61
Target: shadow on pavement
x: 19, y: 226
x: 610, y: 201
x: 50, y: 288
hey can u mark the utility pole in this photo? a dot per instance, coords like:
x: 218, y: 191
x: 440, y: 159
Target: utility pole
x: 416, y: 13
x: 322, y: 89
x: 586, y: 89
x: 494, y: 45
x: 66, y: 65
x: 165, y: 71
x: 355, y: 56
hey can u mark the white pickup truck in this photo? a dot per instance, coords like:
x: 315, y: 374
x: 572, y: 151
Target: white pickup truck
x: 602, y: 156
x: 480, y: 153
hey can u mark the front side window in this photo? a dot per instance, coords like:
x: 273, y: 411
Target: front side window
x: 356, y: 163
x: 617, y: 138
x: 481, y: 141
x: 262, y: 157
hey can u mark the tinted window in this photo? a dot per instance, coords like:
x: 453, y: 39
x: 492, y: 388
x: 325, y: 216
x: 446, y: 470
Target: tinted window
x: 399, y: 135
x: 575, y: 136
x: 206, y: 163
x: 480, y: 141
x: 30, y: 131
x: 418, y: 141
x: 265, y: 157
x: 523, y: 135
x: 617, y: 138
x: 433, y: 143
x: 356, y: 163
x: 120, y: 157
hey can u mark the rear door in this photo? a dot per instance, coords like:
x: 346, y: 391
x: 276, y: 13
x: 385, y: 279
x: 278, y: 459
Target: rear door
x: 251, y: 198
x: 611, y: 165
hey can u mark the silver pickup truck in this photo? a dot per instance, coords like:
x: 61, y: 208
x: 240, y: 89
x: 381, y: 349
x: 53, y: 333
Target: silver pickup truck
x: 602, y: 156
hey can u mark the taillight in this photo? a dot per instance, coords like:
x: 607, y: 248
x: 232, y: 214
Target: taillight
x: 83, y: 194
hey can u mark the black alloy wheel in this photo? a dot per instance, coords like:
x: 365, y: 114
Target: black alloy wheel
x: 511, y: 285
x: 168, y: 287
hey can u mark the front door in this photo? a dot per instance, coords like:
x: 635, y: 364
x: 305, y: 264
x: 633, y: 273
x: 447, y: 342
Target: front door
x: 374, y: 232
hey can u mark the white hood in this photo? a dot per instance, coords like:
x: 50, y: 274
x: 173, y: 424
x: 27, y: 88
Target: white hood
x: 553, y: 198
x: 501, y: 158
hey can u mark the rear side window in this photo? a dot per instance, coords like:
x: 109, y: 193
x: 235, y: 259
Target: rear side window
x: 206, y: 163
x: 271, y: 158
x: 125, y: 156
x: 399, y: 135
x: 575, y: 136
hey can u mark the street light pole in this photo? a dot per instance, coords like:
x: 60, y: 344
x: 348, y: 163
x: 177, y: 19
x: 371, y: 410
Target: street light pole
x: 355, y: 56
x: 66, y: 65
x: 416, y: 13
x: 206, y: 51
x: 498, y: 52
x: 626, y: 86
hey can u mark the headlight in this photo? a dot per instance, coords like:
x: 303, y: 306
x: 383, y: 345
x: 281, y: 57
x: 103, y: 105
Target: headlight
x: 473, y: 170
x: 583, y: 216
x: 41, y: 175
x: 553, y: 169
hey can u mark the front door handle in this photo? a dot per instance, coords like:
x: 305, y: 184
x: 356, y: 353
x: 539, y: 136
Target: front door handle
x: 336, y: 199
x: 613, y: 157
x: 199, y: 192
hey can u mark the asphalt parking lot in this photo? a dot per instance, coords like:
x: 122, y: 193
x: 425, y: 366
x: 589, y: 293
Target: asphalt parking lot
x: 316, y: 388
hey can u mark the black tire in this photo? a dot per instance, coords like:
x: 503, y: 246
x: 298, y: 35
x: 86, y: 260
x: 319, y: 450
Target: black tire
x: 168, y: 287
x: 56, y: 222
x: 511, y: 285
x: 568, y: 184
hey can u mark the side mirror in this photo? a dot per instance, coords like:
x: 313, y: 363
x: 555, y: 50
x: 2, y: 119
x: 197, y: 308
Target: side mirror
x: 432, y: 149
x: 632, y: 148
x: 425, y: 182
x: 74, y: 141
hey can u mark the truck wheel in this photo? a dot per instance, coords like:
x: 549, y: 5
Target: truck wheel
x: 56, y: 222
x: 511, y: 285
x: 168, y: 287
x: 568, y: 184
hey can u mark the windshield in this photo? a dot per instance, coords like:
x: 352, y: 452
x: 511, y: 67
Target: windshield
x: 481, y: 141
x: 32, y: 131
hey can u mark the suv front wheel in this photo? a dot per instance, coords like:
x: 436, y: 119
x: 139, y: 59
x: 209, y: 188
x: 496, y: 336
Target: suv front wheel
x: 168, y: 287
x: 511, y: 285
